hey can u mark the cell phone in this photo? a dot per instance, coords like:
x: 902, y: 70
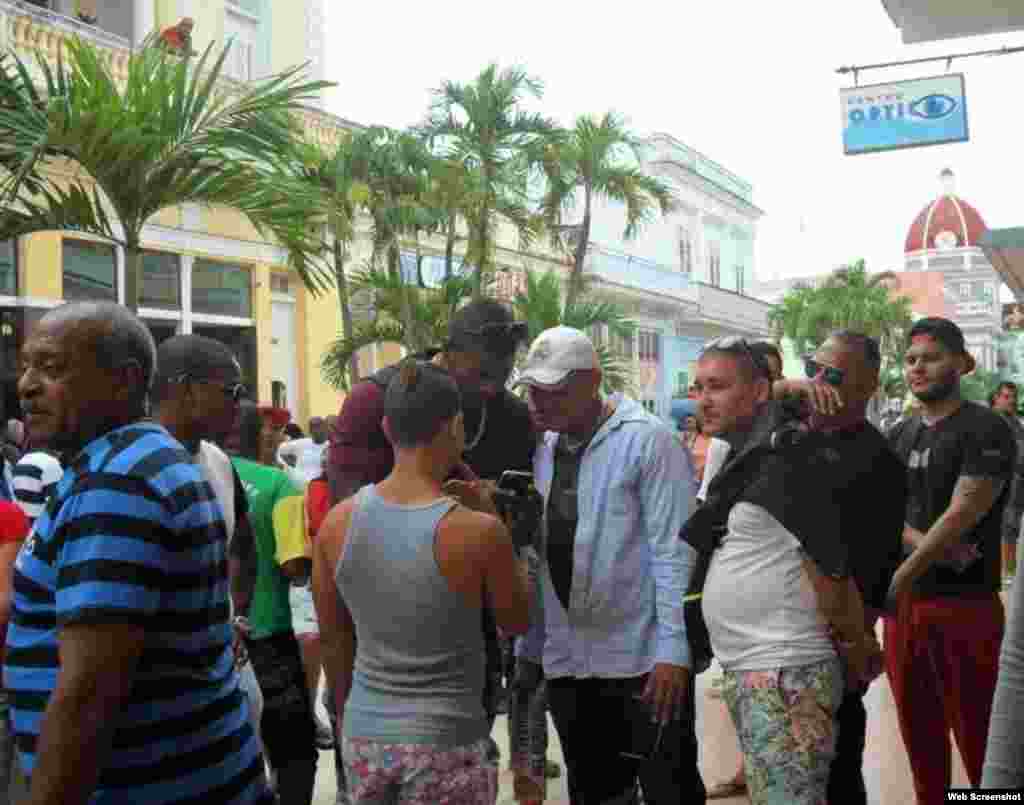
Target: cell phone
x: 518, y: 483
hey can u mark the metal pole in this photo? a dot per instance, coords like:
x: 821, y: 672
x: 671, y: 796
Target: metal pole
x: 1003, y: 51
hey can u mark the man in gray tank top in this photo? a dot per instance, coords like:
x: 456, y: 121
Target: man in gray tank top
x: 400, y: 575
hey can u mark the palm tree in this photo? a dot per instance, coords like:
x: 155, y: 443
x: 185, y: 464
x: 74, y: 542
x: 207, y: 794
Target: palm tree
x: 170, y: 135
x: 483, y: 126
x: 598, y: 159
x: 849, y: 299
x: 540, y: 304
x: 397, y: 303
x: 341, y: 179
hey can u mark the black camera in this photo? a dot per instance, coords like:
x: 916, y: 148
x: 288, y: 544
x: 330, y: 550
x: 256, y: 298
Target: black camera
x: 520, y: 506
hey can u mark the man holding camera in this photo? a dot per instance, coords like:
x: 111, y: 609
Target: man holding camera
x: 617, y: 489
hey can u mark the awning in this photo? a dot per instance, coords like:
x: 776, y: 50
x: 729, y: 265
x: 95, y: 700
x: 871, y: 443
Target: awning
x: 1004, y: 249
x: 931, y: 20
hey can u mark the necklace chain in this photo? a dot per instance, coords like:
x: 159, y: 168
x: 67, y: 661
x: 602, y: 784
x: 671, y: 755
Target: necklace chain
x: 479, y: 431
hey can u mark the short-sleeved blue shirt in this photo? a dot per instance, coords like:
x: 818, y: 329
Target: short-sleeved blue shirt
x: 133, y: 534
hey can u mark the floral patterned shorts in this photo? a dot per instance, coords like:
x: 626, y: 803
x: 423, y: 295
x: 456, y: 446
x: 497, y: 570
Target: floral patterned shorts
x: 418, y: 774
x: 786, y: 723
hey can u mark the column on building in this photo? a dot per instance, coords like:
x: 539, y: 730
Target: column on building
x: 143, y: 19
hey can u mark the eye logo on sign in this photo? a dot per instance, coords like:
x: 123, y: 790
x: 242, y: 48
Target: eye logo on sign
x: 933, y: 107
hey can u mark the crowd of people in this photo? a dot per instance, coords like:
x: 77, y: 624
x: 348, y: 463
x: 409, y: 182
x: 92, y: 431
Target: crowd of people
x: 183, y: 571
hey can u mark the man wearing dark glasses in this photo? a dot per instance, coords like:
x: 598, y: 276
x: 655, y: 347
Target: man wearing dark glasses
x: 196, y: 396
x: 842, y: 377
x: 774, y: 502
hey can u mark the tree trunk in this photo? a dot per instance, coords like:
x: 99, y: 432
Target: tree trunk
x: 412, y: 335
x: 449, y: 247
x: 340, y: 257
x: 580, y: 255
x: 132, y: 275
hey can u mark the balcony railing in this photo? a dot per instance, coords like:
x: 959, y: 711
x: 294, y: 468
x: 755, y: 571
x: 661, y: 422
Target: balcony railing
x: 28, y: 30
x: 635, y: 272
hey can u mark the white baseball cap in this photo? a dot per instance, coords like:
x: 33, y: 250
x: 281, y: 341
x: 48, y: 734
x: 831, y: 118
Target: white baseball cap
x: 554, y: 354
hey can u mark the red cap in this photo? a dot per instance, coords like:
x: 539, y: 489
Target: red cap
x: 278, y: 416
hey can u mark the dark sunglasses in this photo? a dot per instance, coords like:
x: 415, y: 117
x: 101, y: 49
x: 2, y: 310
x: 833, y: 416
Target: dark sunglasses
x: 496, y: 337
x: 832, y: 376
x: 737, y: 344
x: 236, y: 392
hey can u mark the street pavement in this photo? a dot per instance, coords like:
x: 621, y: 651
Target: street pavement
x: 886, y: 769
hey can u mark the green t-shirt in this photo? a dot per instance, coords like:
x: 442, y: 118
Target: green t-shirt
x: 275, y: 513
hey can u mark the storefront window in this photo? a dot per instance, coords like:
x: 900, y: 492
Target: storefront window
x: 242, y: 342
x: 90, y: 271
x: 161, y: 281
x: 161, y: 330
x: 9, y: 267
x: 221, y: 289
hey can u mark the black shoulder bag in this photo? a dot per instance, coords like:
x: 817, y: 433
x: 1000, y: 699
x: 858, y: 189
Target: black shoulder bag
x: 704, y: 532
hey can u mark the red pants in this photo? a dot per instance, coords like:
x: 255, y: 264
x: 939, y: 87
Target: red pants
x: 942, y: 659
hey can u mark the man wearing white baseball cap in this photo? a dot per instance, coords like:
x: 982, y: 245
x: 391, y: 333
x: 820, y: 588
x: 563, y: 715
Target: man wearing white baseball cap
x: 617, y: 490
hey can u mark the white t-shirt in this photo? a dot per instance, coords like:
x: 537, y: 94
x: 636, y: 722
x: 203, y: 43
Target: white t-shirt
x: 718, y: 452
x: 308, y: 457
x: 759, y: 605
x: 220, y: 474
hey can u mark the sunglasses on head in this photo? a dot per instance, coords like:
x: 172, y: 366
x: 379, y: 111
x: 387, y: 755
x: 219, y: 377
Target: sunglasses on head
x: 832, y: 375
x: 739, y: 345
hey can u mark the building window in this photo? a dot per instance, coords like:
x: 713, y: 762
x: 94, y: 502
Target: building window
x: 685, y: 251
x: 90, y: 271
x: 241, y: 341
x: 715, y: 263
x: 965, y: 290
x: 741, y: 280
x: 161, y: 330
x: 622, y: 346
x: 161, y: 281
x: 241, y: 30
x: 279, y: 283
x: 278, y: 394
x: 650, y: 346
x: 9, y: 267
x: 221, y: 289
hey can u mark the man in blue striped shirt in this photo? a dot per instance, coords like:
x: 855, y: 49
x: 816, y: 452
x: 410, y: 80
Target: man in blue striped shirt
x: 119, y: 660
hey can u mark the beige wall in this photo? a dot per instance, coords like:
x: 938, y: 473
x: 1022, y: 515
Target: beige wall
x: 288, y: 43
x: 39, y: 266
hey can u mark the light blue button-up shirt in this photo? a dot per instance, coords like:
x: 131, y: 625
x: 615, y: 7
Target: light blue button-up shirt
x: 630, y: 569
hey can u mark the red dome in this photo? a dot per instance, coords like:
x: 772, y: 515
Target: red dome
x: 946, y: 214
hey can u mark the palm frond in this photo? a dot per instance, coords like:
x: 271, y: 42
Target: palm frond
x: 335, y: 362
x: 171, y: 134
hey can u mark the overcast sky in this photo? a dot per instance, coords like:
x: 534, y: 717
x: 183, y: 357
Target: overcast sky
x: 751, y: 85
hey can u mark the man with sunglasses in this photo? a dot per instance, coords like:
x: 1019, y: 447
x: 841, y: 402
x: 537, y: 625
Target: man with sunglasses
x: 196, y: 396
x: 772, y: 528
x: 479, y: 354
x: 841, y: 379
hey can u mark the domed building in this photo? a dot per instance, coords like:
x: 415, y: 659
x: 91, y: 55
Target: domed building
x: 944, y: 242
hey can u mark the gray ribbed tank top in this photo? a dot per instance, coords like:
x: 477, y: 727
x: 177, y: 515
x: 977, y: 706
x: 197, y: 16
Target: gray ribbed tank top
x: 419, y: 666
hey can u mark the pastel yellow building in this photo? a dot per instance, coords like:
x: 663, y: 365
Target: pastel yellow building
x: 206, y: 270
